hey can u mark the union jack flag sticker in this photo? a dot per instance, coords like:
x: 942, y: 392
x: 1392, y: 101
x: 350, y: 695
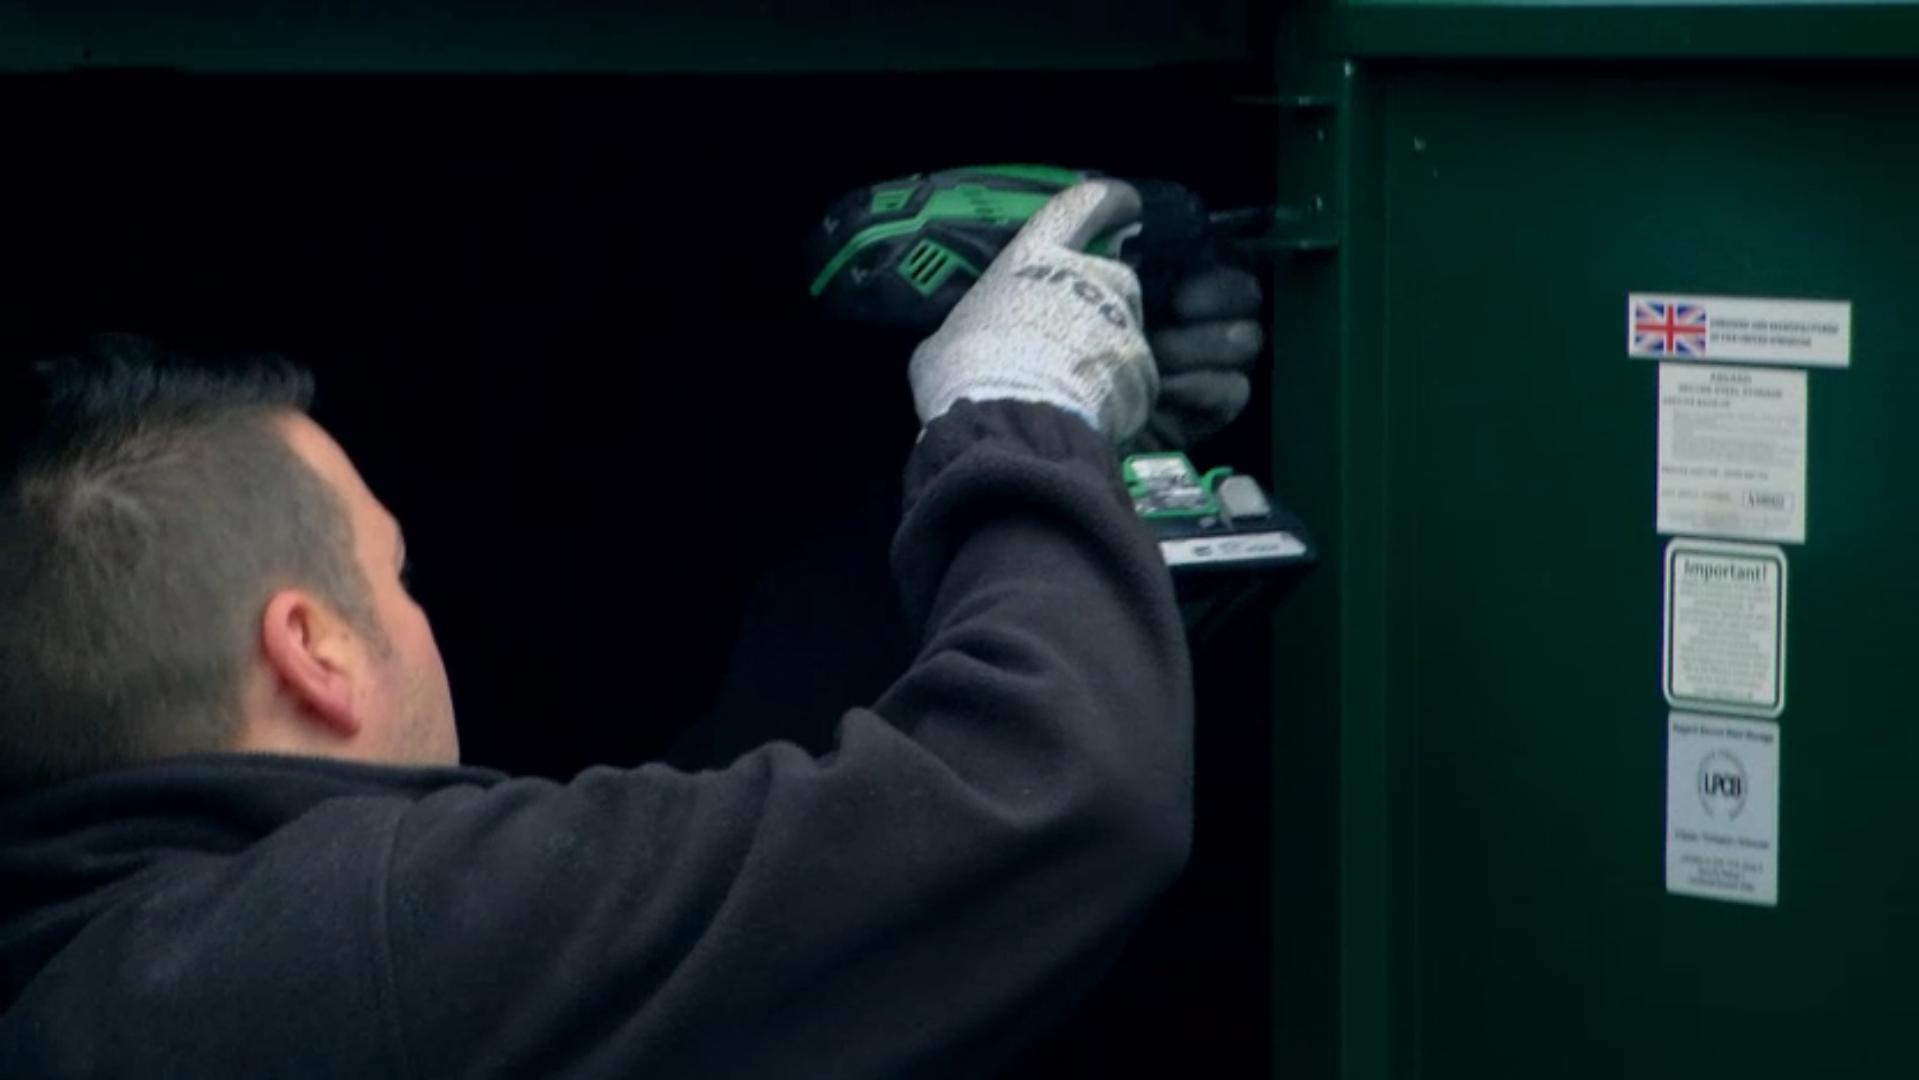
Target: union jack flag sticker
x: 1661, y: 328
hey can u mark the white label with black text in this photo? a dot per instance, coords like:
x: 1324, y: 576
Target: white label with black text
x: 1804, y: 333
x: 1732, y: 452
x: 1722, y: 808
x: 1725, y: 627
x: 1244, y: 547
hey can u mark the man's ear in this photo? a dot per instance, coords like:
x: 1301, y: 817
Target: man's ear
x: 314, y: 655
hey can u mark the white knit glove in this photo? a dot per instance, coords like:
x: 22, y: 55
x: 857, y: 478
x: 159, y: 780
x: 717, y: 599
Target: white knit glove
x: 1047, y: 322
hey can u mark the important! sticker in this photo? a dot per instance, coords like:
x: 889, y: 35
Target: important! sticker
x: 1801, y: 333
x: 1725, y: 627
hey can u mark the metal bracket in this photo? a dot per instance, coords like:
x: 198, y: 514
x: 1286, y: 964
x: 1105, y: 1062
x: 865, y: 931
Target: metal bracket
x: 1306, y: 221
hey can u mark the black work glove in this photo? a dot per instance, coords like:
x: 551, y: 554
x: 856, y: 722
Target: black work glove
x: 1205, y: 354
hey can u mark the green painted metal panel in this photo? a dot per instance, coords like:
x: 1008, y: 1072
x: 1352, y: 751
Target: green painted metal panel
x: 1498, y: 575
x: 1620, y: 28
x: 1312, y: 901
x: 527, y: 37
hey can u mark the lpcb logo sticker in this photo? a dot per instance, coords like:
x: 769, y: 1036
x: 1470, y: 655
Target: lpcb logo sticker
x: 1722, y: 786
x: 1722, y: 808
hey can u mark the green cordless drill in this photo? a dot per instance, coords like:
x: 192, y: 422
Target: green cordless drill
x: 899, y: 255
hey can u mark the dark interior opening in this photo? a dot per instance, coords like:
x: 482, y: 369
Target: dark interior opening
x: 561, y: 325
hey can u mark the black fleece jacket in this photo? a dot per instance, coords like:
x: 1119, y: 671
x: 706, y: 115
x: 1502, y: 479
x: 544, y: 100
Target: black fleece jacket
x: 914, y: 902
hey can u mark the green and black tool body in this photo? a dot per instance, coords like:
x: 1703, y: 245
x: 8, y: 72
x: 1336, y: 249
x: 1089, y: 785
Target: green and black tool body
x: 899, y: 255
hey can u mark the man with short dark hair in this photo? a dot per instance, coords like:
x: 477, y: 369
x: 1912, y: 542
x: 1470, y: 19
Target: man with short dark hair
x: 175, y: 525
x: 237, y: 841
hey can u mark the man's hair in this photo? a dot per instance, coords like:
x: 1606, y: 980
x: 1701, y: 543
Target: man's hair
x: 150, y: 504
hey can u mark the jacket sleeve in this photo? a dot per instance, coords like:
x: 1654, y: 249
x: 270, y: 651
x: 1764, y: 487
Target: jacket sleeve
x: 821, y: 630
x: 917, y: 901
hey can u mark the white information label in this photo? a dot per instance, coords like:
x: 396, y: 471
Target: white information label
x: 1246, y: 547
x: 1801, y: 333
x: 1722, y: 808
x: 1725, y: 627
x: 1732, y: 452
